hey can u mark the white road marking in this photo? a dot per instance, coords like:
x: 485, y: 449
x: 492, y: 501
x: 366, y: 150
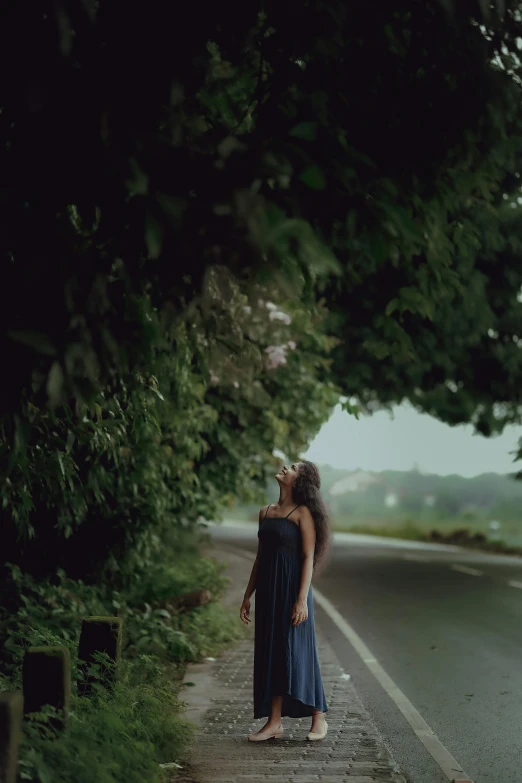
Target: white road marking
x: 431, y: 742
x: 354, y: 539
x: 514, y: 583
x: 427, y: 736
x: 466, y: 570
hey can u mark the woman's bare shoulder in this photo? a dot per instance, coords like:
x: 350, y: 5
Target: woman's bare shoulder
x: 305, y: 515
x: 262, y: 512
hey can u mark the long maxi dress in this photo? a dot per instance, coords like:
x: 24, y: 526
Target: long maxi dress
x: 285, y: 656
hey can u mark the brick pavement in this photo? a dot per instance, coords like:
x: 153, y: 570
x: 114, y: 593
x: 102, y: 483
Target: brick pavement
x: 353, y: 751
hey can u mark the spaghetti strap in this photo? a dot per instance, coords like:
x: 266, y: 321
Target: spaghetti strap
x: 266, y: 512
x: 292, y: 511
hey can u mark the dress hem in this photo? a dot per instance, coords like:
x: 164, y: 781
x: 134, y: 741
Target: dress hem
x: 306, y: 712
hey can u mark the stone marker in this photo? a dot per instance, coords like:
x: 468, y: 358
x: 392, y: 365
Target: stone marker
x: 11, y: 714
x: 99, y: 635
x: 47, y: 680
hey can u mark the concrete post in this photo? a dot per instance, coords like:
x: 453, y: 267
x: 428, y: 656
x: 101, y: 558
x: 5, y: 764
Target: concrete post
x: 99, y: 635
x: 11, y: 714
x: 47, y: 680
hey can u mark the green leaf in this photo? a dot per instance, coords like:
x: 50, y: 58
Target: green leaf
x: 64, y: 27
x: 153, y: 235
x: 378, y: 247
x: 71, y: 437
x: 174, y: 206
x: 313, y: 177
x: 401, y: 221
x: 378, y: 348
x: 411, y: 300
x: 304, y: 130
x: 355, y: 155
x: 391, y: 307
x: 38, y: 340
x: 138, y: 184
x: 55, y: 384
x: 351, y: 408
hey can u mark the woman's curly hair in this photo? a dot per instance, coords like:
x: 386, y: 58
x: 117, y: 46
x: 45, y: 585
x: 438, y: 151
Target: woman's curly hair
x: 307, y: 492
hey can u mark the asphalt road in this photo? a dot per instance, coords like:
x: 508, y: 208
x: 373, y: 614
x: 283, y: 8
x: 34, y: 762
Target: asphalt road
x: 449, y: 637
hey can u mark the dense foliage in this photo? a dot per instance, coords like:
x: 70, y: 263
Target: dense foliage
x: 94, y: 485
x: 363, y: 153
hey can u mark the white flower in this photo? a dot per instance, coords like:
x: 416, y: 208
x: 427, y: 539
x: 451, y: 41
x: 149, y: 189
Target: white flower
x: 213, y: 376
x: 247, y: 309
x: 275, y: 362
x: 291, y: 345
x: 276, y: 355
x: 276, y: 349
x: 236, y: 385
x: 278, y: 315
x: 270, y: 306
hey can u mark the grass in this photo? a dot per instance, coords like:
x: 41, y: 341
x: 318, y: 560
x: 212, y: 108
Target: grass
x: 124, y: 737
x: 460, y: 537
x: 463, y: 531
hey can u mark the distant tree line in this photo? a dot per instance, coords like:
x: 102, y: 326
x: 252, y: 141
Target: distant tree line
x: 489, y: 494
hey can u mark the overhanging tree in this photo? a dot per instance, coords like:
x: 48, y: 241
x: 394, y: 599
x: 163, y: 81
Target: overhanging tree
x: 355, y: 147
x: 355, y: 154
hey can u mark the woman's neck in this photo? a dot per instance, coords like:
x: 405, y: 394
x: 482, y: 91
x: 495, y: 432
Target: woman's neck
x: 285, y: 497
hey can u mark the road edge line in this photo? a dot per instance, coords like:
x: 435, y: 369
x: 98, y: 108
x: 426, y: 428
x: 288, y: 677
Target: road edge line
x: 466, y: 570
x: 426, y: 735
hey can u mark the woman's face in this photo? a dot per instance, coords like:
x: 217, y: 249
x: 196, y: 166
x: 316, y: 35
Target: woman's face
x: 288, y: 474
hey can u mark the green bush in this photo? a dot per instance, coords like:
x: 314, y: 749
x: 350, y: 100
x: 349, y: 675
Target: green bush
x: 52, y: 613
x: 124, y: 737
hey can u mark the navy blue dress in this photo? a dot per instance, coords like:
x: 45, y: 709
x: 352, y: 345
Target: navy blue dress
x: 285, y: 656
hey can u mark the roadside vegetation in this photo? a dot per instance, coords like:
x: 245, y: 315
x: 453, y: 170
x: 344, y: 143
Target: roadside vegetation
x: 127, y: 734
x: 448, y: 531
x: 102, y: 511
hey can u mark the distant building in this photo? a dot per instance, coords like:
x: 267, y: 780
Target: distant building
x: 355, y: 482
x: 359, y: 481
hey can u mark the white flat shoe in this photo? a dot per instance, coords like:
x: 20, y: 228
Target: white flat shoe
x: 313, y: 736
x: 273, y: 735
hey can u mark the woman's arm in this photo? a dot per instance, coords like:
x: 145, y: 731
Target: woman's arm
x: 244, y: 612
x: 307, y: 525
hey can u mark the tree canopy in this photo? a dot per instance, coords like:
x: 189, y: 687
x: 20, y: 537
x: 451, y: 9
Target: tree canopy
x: 355, y: 165
x: 362, y: 151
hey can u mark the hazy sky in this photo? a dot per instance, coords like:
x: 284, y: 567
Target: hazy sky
x: 382, y: 443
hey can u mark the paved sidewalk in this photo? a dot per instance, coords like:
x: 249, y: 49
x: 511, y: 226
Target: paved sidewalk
x: 221, y: 702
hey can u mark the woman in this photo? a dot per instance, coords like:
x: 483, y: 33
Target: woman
x: 293, y: 538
